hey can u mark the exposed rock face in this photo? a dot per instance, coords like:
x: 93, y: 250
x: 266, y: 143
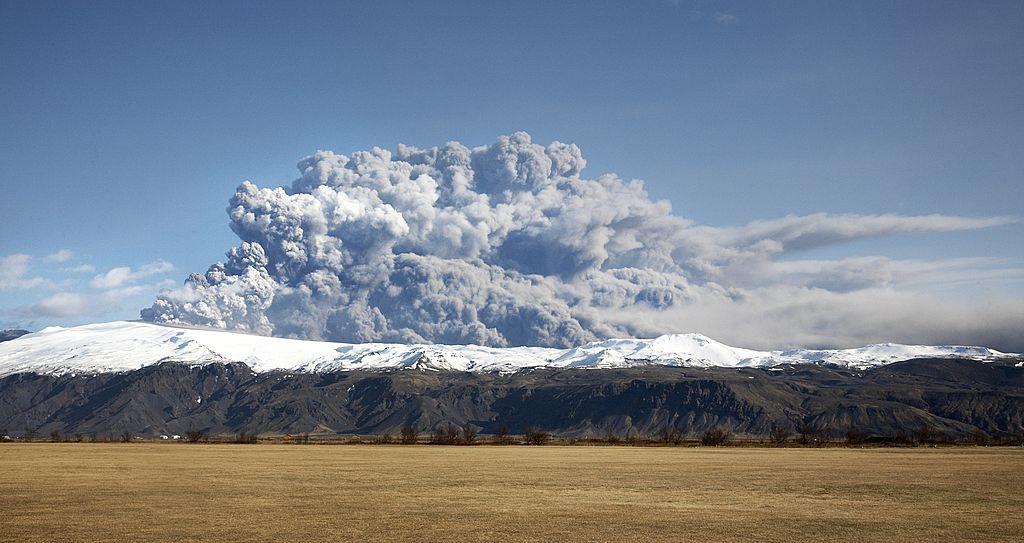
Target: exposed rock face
x: 953, y: 397
x: 9, y: 334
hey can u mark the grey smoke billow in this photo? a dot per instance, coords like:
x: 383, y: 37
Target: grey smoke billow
x: 504, y: 244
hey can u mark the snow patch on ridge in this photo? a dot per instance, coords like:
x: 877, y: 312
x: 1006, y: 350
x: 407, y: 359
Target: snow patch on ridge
x: 125, y: 346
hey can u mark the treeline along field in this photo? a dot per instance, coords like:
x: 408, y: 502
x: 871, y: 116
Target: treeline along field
x: 156, y: 492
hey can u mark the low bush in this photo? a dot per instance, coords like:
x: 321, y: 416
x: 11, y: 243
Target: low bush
x: 856, y: 437
x: 194, y: 436
x: 672, y: 435
x: 534, y: 436
x: 247, y: 437
x: 409, y: 435
x: 715, y: 437
x: 779, y: 434
x: 501, y: 434
x: 468, y: 434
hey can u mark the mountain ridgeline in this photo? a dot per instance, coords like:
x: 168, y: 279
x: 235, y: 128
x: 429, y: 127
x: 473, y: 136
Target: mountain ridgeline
x: 952, y: 397
x: 11, y: 333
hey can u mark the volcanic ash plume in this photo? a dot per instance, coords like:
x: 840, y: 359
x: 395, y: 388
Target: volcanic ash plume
x: 498, y: 245
x: 502, y: 245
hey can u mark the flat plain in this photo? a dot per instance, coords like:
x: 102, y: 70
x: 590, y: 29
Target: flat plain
x: 165, y: 492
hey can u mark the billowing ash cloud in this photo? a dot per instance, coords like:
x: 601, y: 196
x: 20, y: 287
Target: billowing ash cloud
x: 504, y: 244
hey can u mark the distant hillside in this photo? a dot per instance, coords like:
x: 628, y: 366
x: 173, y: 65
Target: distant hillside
x: 7, y: 335
x: 952, y: 397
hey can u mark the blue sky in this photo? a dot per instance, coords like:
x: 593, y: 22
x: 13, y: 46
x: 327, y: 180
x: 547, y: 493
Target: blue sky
x: 127, y: 126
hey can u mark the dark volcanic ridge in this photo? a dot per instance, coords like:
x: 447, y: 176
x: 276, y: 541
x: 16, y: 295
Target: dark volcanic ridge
x: 952, y: 397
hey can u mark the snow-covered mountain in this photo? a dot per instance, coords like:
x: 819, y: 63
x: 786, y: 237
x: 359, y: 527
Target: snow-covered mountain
x: 124, y: 346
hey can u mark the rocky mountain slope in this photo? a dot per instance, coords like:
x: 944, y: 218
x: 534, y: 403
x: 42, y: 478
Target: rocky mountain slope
x: 151, y: 379
x: 954, y: 397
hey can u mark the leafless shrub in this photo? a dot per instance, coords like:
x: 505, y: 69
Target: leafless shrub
x: 247, y: 437
x: 126, y: 437
x: 439, y: 436
x: 856, y: 437
x: 632, y: 437
x: 926, y: 434
x: 979, y: 437
x: 501, y: 434
x: 810, y: 434
x: 611, y: 437
x: 383, y: 439
x: 468, y: 434
x: 715, y: 437
x: 409, y: 434
x: 534, y: 436
x: 55, y: 437
x: 672, y: 435
x: 779, y: 434
x: 452, y: 434
x: 194, y: 436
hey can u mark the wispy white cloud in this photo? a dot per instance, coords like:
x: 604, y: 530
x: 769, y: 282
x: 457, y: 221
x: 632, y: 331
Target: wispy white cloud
x: 782, y: 317
x: 59, y: 305
x: 800, y: 232
x: 62, y: 255
x: 725, y: 18
x: 81, y: 268
x: 124, y: 275
x: 14, y: 273
x: 70, y: 304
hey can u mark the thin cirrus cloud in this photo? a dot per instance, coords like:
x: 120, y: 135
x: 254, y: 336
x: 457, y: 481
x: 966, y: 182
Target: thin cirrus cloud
x: 509, y: 244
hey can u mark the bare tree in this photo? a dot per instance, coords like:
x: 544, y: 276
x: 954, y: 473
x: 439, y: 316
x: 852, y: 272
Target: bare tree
x: 672, y: 435
x: 536, y: 437
x: 926, y: 434
x: 856, y: 437
x: 409, y: 434
x: 779, y: 434
x: 440, y: 436
x: 979, y: 437
x: 501, y: 434
x: 632, y: 436
x: 126, y: 437
x: 610, y: 436
x: 194, y: 436
x: 468, y: 434
x: 452, y: 434
x: 247, y: 437
x: 809, y: 433
x: 715, y: 437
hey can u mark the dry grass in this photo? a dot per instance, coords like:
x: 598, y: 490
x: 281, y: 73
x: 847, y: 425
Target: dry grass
x: 163, y: 492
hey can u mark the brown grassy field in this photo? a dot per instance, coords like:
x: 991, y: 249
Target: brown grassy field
x: 164, y: 492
